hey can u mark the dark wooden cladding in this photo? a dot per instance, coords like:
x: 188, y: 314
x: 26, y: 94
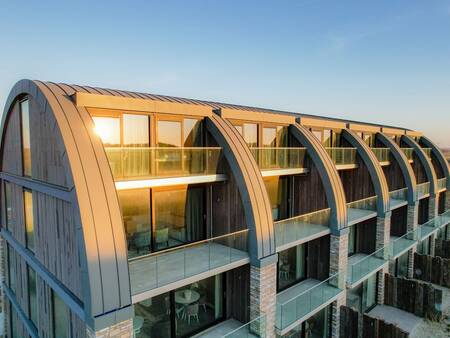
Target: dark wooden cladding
x: 437, y: 167
x: 318, y: 258
x: 366, y: 235
x: 17, y: 228
x: 442, y: 201
x: 357, y: 182
x: 10, y: 312
x: 394, y: 175
x: 238, y: 294
x: 48, y: 157
x: 12, y: 143
x: 419, y: 170
x: 57, y: 245
x: 398, y: 221
x: 423, y: 211
x: 19, y: 268
x: 308, y: 191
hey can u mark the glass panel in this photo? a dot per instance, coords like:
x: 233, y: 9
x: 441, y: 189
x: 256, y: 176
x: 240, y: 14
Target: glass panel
x: 29, y: 222
x: 152, y: 317
x: 32, y: 295
x: 26, y: 147
x: 8, y: 205
x: 277, y: 189
x: 239, y: 129
x: 135, y: 205
x: 179, y: 217
x: 270, y: 141
x: 169, y: 134
x: 326, y: 138
x: 317, y: 134
x: 282, y: 136
x: 269, y: 137
x: 108, y: 128
x: 352, y: 240
x: 369, y: 140
x: 199, y: 305
x: 193, y: 135
x: 291, y: 266
x: 354, y: 298
x: 369, y: 292
x: 336, y: 139
x: 11, y: 268
x: 251, y: 134
x: 135, y: 130
x: 402, y: 265
x: 60, y: 317
x: 318, y: 326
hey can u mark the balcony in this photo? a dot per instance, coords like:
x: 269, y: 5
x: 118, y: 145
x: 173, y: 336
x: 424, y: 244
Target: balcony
x: 423, y: 190
x: 409, y: 152
x: 153, y: 164
x: 427, y: 151
x: 398, y: 198
x: 442, y: 184
x: 361, y: 210
x: 426, y: 230
x: 207, y: 257
x: 361, y: 266
x: 253, y: 329
x: 280, y: 161
x: 399, y: 245
x: 444, y: 219
x: 343, y: 158
x: 382, y: 154
x: 302, y: 300
x: 300, y: 229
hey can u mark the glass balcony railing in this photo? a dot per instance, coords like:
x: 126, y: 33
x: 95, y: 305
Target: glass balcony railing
x: 279, y: 158
x: 427, y: 151
x: 442, y: 183
x: 360, y: 210
x: 397, y: 245
x: 382, y: 154
x: 399, y: 194
x: 362, y: 265
x: 409, y: 152
x: 299, y: 304
x: 299, y: 227
x: 342, y: 156
x: 425, y: 230
x: 138, y: 162
x: 369, y: 203
x: 164, y: 267
x: 422, y: 189
x: 444, y: 218
x: 256, y: 328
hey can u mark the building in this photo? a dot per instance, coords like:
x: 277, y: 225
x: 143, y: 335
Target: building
x: 127, y: 214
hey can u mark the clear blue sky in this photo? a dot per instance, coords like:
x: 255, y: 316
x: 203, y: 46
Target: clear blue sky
x: 383, y: 61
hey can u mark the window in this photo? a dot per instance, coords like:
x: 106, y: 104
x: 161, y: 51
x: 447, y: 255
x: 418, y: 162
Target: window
x: 11, y: 268
x: 352, y: 240
x: 424, y: 247
x: 29, y: 222
x: 108, y: 128
x: 292, y: 266
x: 26, y: 147
x: 278, y: 191
x: 326, y: 138
x: 60, y: 317
x: 169, y: 134
x: 8, y: 205
x: 192, y: 133
x: 32, y: 296
x: 251, y: 134
x: 317, y: 134
x: 363, y: 297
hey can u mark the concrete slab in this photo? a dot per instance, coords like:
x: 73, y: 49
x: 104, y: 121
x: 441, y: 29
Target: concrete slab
x: 404, y: 320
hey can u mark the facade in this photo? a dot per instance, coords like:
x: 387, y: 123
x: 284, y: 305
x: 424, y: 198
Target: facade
x: 136, y: 215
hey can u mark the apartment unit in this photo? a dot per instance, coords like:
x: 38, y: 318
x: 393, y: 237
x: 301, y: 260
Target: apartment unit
x: 136, y: 215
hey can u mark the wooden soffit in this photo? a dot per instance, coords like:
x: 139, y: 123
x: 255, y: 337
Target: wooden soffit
x: 249, y: 115
x: 363, y: 128
x: 89, y: 100
x: 393, y: 131
x: 413, y: 133
x: 321, y: 123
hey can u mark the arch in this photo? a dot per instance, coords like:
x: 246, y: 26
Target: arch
x: 405, y: 166
x: 426, y: 162
x: 375, y: 170
x: 105, y: 277
x: 439, y: 156
x: 329, y: 175
x: 251, y: 186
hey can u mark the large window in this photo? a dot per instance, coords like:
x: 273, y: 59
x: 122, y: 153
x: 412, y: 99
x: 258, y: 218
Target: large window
x: 363, y: 297
x: 26, y: 146
x: 316, y: 326
x: 292, y: 266
x: 399, y: 267
x: 182, y: 312
x: 60, y: 317
x: 8, y: 205
x: 32, y: 296
x: 169, y: 134
x: 250, y: 133
x: 278, y: 191
x: 352, y: 240
x: 29, y: 221
x: 424, y: 247
x: 108, y: 128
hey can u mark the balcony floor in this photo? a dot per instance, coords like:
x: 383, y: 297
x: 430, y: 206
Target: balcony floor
x: 401, y: 246
x: 160, y: 270
x: 362, y: 271
x: 296, y: 233
x: 395, y: 203
x: 358, y: 215
x: 224, y: 328
x: 299, y: 314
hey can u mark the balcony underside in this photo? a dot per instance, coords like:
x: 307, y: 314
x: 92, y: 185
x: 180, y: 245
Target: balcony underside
x: 385, y: 163
x: 303, y: 307
x: 298, y: 233
x: 422, y: 196
x: 399, y: 246
x: 283, y: 172
x: 168, y: 181
x: 396, y: 203
x: 156, y: 274
x: 346, y: 166
x: 225, y: 328
x: 360, y: 272
x: 359, y: 215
